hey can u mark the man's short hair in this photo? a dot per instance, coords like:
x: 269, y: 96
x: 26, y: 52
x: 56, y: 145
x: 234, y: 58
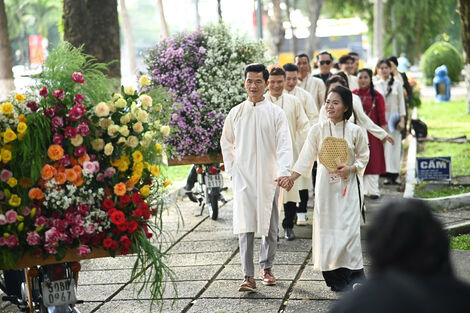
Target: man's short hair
x: 276, y: 70
x: 393, y: 59
x: 290, y: 67
x: 324, y: 52
x: 303, y: 55
x: 345, y: 58
x: 257, y: 68
x: 353, y: 53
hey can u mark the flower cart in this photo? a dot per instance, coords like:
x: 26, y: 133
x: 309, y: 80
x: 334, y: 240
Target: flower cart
x: 80, y: 170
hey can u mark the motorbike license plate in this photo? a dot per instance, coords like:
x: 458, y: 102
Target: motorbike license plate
x: 59, y: 292
x: 214, y: 181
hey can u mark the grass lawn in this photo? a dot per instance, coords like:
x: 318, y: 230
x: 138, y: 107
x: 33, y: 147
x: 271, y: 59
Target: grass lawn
x: 461, y: 242
x: 444, y: 192
x: 176, y: 173
x: 459, y: 152
x: 445, y: 119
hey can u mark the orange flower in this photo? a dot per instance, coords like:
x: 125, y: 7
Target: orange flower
x: 108, y: 192
x: 55, y: 152
x: 48, y: 172
x: 133, y: 180
x: 73, y: 161
x: 83, y: 159
x: 71, y: 175
x: 78, y: 170
x: 78, y: 182
x: 120, y: 189
x: 35, y: 193
x: 60, y: 178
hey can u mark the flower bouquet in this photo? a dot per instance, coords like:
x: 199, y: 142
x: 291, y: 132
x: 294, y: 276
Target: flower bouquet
x: 80, y: 168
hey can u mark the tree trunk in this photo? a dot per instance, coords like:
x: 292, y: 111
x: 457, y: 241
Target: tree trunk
x: 295, y: 45
x: 6, y: 75
x: 166, y: 34
x: 219, y: 10
x: 276, y: 29
x: 128, y: 37
x: 314, y: 10
x: 94, y: 24
x: 464, y: 12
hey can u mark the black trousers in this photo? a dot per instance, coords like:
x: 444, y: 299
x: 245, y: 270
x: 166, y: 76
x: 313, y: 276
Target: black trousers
x: 303, y: 201
x: 314, y: 174
x: 342, y: 278
x: 192, y: 179
x: 290, y: 209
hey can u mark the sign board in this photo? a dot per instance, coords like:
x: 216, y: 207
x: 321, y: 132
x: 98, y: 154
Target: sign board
x: 437, y: 168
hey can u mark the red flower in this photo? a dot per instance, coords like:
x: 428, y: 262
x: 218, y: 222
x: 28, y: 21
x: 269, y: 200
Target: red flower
x: 148, y: 235
x: 124, y: 250
x: 118, y: 217
x: 125, y: 199
x: 33, y: 106
x: 83, y: 129
x: 125, y: 241
x: 137, y: 213
x: 122, y: 227
x: 107, y: 204
x: 112, y: 211
x: 43, y: 92
x: 114, y: 245
x: 107, y: 243
x: 132, y: 226
x: 136, y: 198
x: 79, y: 151
x: 59, y: 94
x: 70, y: 132
x: 78, y: 98
x: 77, y: 77
x: 57, y: 139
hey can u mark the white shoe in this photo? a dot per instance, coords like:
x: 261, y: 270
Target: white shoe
x: 302, y: 219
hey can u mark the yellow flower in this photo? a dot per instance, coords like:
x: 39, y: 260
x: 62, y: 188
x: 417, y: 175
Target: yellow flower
x: 146, y: 101
x: 97, y: 144
x: 14, y: 201
x: 6, y: 155
x: 123, y: 166
x: 120, y: 103
x: 155, y: 170
x: 77, y: 140
x: 101, y: 109
x: 145, y: 191
x: 22, y: 118
x: 129, y: 90
x: 117, y: 96
x: 165, y: 130
x: 108, y: 149
x: 20, y: 97
x: 9, y: 135
x: 132, y: 141
x: 138, y: 168
x: 21, y: 128
x: 6, y: 108
x: 144, y: 80
x: 158, y: 147
x: 12, y: 182
x: 137, y: 156
x: 167, y: 182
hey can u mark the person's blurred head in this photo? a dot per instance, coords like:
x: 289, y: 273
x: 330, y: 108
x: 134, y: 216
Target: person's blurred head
x: 364, y: 78
x: 303, y: 62
x: 277, y: 79
x: 383, y: 68
x: 338, y: 104
x: 292, y: 71
x: 324, y: 61
x: 405, y: 236
x: 333, y: 81
x: 394, y: 63
x: 355, y: 56
x: 346, y: 64
x: 256, y: 81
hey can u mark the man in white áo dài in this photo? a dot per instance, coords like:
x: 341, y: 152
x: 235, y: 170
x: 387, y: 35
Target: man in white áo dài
x: 310, y: 108
x: 298, y: 127
x: 257, y: 152
x: 314, y: 85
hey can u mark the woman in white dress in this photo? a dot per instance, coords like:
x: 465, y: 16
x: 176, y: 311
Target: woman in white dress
x: 392, y: 90
x: 336, y: 228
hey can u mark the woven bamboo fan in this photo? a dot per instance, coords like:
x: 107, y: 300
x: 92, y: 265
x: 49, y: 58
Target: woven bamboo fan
x: 333, y: 152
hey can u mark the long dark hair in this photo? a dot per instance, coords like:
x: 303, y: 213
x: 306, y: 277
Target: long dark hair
x: 392, y: 79
x: 346, y: 96
x: 344, y: 83
x: 371, y: 85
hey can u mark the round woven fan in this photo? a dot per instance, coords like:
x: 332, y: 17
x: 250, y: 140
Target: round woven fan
x: 333, y: 152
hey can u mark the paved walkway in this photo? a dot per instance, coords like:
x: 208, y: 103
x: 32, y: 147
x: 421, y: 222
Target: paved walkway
x: 204, y: 257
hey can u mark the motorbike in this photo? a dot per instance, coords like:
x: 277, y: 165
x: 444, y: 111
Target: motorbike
x: 48, y: 288
x: 211, y: 185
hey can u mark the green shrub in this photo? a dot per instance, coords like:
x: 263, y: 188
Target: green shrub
x: 440, y: 53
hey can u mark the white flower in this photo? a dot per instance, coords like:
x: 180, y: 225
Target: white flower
x: 165, y: 130
x: 146, y: 101
x: 125, y: 119
x: 77, y: 140
x: 108, y: 149
x: 120, y: 103
x: 112, y: 130
x: 129, y: 90
x: 106, y: 122
x: 102, y: 109
x: 137, y: 127
x: 142, y: 116
x: 144, y: 80
x: 124, y: 130
x: 132, y: 141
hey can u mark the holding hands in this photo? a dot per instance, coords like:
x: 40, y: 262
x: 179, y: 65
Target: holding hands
x: 285, y: 182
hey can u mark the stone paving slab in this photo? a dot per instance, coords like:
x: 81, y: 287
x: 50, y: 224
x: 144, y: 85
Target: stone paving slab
x: 463, y: 213
x: 112, y: 276
x: 308, y: 306
x: 229, y: 289
x: 205, y: 246
x: 121, y: 262
x: 143, y: 306
x: 281, y: 258
x: 96, y: 292
x: 193, y: 259
x: 235, y: 306
x: 87, y: 306
x: 461, y: 262
x: 208, y: 235
x: 187, y: 289
x: 281, y: 272
x: 188, y: 273
x: 313, y: 290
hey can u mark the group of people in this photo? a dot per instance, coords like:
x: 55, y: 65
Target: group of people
x: 273, y: 140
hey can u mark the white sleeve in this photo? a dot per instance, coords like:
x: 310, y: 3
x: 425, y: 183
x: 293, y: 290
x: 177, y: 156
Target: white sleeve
x: 401, y: 101
x: 227, y: 143
x: 365, y: 122
x: 361, y: 150
x: 302, y: 122
x: 310, y: 109
x: 284, y: 153
x: 309, y: 152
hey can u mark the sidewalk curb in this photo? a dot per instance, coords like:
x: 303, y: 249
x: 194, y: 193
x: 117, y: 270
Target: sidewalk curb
x: 459, y: 228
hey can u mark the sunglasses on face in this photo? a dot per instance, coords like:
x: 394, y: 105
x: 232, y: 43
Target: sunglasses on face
x: 327, y: 62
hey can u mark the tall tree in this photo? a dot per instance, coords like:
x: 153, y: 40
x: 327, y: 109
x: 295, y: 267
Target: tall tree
x: 94, y: 24
x: 43, y: 13
x: 464, y: 12
x: 128, y: 37
x: 163, y: 19
x: 6, y: 74
x: 314, y: 9
x: 219, y: 10
x: 290, y: 8
x: 276, y: 28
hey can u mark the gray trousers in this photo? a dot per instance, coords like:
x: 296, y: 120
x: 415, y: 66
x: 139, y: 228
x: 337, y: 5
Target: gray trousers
x: 268, y: 244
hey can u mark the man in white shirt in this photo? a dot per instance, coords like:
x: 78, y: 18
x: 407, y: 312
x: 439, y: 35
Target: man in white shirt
x: 314, y: 85
x: 346, y: 64
x: 257, y: 152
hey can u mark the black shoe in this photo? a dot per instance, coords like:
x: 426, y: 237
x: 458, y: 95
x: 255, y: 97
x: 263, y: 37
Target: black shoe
x: 374, y: 197
x: 191, y: 196
x: 289, y: 234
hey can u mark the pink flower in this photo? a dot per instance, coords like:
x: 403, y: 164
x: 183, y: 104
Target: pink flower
x: 3, y: 241
x: 59, y: 94
x: 3, y: 219
x: 76, y: 231
x: 83, y: 250
x: 11, y: 216
x: 100, y: 177
x: 2, y: 195
x: 57, y: 122
x: 33, y: 238
x: 43, y: 92
x: 52, y: 235
x: 49, y: 112
x: 77, y: 112
x: 90, y: 229
x: 92, y: 167
x: 78, y: 98
x: 12, y: 241
x: 59, y: 224
x: 57, y: 139
x: 83, y: 129
x: 6, y: 175
x: 77, y: 77
x: 65, y: 160
x: 109, y: 172
x: 70, y: 132
x: 70, y: 218
x: 79, y: 151
x: 41, y: 221
x: 26, y: 211
x: 50, y: 248
x: 83, y: 209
